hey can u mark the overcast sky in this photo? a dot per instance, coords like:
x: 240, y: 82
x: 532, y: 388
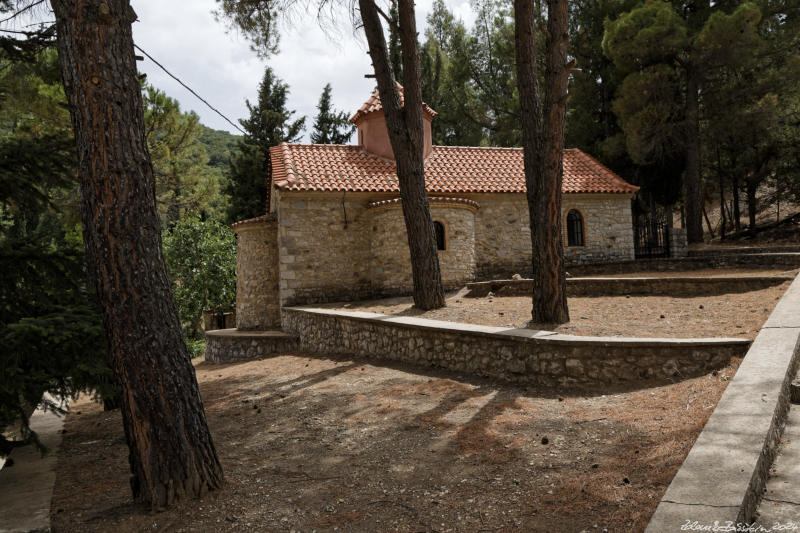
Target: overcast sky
x: 185, y: 38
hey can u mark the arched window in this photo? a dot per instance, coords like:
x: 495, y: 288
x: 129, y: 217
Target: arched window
x: 441, y: 242
x: 574, y: 228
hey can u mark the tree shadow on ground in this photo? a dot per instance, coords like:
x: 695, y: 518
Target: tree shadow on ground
x: 367, y: 447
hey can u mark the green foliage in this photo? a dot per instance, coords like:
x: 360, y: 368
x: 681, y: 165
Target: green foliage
x: 256, y: 19
x: 650, y: 99
x: 649, y: 108
x: 270, y: 123
x: 754, y: 77
x: 50, y: 325
x: 648, y: 35
x: 196, y: 347
x: 219, y: 145
x: 469, y: 78
x: 201, y: 263
x: 591, y: 123
x: 27, y: 50
x: 330, y: 126
x: 33, y: 98
x: 184, y: 180
x: 739, y: 54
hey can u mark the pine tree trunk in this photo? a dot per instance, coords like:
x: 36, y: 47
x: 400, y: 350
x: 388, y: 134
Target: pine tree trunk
x: 172, y: 455
x: 407, y: 138
x: 752, y: 205
x: 737, y: 213
x: 723, y: 217
x: 543, y: 142
x: 694, y: 217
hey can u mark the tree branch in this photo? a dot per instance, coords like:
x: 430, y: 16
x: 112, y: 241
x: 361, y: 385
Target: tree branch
x: 21, y: 11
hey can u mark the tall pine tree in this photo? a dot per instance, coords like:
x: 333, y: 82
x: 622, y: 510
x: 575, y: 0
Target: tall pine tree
x: 172, y: 455
x: 270, y: 124
x: 184, y: 180
x: 330, y: 126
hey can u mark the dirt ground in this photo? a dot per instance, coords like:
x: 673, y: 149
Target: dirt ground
x: 315, y: 444
x: 728, y: 315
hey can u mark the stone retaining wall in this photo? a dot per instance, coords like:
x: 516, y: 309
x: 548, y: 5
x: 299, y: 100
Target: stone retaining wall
x: 517, y: 355
x: 773, y: 260
x: 675, y: 287
x: 789, y: 248
x: 228, y: 345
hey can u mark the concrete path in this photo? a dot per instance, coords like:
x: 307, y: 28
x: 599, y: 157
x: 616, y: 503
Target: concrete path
x: 781, y: 502
x: 26, y: 488
x: 724, y: 475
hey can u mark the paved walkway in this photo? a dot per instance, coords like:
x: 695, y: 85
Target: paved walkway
x: 781, y: 501
x: 26, y: 488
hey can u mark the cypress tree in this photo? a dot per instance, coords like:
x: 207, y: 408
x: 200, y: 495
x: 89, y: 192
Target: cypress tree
x: 270, y: 123
x: 330, y: 126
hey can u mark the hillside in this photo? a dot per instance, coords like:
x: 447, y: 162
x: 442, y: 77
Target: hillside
x: 218, y: 144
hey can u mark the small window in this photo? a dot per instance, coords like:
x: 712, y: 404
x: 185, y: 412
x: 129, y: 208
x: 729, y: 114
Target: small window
x: 574, y: 228
x: 441, y: 243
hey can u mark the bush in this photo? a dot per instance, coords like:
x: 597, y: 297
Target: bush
x: 201, y: 263
x: 50, y: 326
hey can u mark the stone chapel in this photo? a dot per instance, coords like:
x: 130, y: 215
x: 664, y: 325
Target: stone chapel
x: 334, y: 226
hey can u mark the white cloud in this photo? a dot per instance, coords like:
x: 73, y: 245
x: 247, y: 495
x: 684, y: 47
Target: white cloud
x: 187, y: 40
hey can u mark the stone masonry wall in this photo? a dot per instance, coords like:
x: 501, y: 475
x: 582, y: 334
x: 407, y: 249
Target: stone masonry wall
x: 524, y: 356
x: 324, y: 244
x: 502, y: 232
x: 502, y: 236
x: 257, y: 304
x: 761, y: 261
x: 332, y: 246
x: 391, y: 263
x: 229, y: 345
x: 607, y: 230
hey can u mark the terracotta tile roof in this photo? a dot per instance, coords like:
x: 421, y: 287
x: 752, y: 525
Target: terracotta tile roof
x: 374, y: 104
x: 448, y: 169
x: 262, y: 218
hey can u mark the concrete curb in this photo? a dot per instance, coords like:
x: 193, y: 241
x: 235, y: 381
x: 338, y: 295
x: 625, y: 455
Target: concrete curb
x: 26, y: 488
x: 723, y: 477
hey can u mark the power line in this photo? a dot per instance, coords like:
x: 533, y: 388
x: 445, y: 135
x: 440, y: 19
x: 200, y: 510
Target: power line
x: 174, y: 77
x: 21, y: 11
